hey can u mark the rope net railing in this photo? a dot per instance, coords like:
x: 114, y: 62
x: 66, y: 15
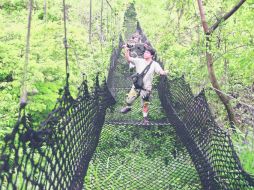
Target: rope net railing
x: 85, y: 143
x: 55, y: 155
x: 209, y: 146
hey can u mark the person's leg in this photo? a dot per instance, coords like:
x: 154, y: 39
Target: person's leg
x: 131, y: 97
x: 145, y: 96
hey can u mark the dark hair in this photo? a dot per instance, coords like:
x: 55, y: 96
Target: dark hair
x: 136, y: 35
x: 151, y: 50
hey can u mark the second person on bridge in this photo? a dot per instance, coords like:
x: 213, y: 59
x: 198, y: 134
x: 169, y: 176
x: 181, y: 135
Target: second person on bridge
x: 146, y: 67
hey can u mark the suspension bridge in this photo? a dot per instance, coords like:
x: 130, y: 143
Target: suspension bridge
x: 82, y: 143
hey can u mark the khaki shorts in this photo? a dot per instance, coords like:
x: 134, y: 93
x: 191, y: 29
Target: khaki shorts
x: 135, y: 93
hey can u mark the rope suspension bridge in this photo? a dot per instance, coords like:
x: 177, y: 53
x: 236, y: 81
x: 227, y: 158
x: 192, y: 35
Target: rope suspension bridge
x: 79, y: 145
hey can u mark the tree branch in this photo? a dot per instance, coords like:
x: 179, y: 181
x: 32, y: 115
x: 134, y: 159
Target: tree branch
x: 109, y: 5
x: 226, y: 16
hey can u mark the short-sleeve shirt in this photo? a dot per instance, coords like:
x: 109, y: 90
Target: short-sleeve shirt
x: 140, y: 65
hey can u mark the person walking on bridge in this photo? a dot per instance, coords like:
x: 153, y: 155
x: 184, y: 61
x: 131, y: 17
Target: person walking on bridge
x: 141, y: 64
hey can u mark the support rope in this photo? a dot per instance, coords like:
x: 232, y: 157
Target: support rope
x: 66, y: 47
x: 23, y: 98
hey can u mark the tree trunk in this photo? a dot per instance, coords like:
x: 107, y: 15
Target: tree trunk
x: 225, y: 100
x: 202, y: 16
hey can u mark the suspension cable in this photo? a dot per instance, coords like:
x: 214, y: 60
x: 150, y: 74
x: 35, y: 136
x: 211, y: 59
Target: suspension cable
x: 23, y: 98
x: 66, y: 46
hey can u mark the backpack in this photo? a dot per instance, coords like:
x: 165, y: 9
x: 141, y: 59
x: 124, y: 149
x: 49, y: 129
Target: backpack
x: 137, y: 78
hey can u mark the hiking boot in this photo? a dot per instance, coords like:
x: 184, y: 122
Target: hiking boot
x: 145, y: 121
x: 125, y: 109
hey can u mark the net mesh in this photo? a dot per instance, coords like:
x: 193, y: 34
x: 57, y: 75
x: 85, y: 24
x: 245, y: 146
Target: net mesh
x: 56, y: 155
x: 85, y: 143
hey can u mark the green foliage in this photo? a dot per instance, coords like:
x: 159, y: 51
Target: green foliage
x: 244, y: 145
x: 46, y: 67
x: 13, y: 5
x: 175, y: 31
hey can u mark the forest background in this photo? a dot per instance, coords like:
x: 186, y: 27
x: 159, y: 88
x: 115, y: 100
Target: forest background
x: 173, y: 28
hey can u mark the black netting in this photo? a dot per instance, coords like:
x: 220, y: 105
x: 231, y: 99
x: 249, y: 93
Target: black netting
x: 209, y: 146
x: 181, y: 148
x: 56, y: 155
